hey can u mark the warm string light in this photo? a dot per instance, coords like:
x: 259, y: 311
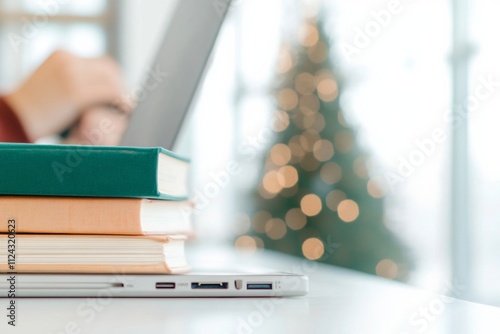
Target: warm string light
x: 248, y: 245
x: 374, y: 190
x: 326, y: 85
x: 313, y: 248
x: 309, y: 149
x: 334, y: 198
x: 318, y: 53
x: 304, y: 83
x: 331, y: 172
x: 272, y: 182
x: 360, y: 167
x: 278, y: 178
x: 309, y: 35
x: 303, y: 96
x: 311, y: 205
x: 309, y: 104
x: 295, y: 219
x: 297, y: 151
x: 280, y: 154
x: 290, y: 176
x: 387, y: 268
x: 275, y: 228
x: 284, y: 62
x: 281, y: 121
x: 305, y: 121
x: 319, y: 123
x: 259, y: 221
x: 323, y: 150
x: 348, y: 210
x: 264, y: 193
x: 327, y: 90
x: 307, y: 140
x: 288, y: 99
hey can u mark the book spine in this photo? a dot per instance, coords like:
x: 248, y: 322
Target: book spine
x: 119, y: 216
x: 88, y: 171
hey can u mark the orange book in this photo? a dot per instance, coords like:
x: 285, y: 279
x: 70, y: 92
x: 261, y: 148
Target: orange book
x: 92, y: 254
x: 84, y: 215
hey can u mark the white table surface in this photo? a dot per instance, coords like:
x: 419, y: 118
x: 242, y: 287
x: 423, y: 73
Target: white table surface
x: 339, y: 301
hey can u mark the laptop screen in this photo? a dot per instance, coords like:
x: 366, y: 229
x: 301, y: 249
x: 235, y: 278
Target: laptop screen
x: 175, y: 75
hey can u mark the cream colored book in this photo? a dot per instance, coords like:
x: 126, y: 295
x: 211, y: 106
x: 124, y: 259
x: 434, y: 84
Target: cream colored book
x: 92, y: 254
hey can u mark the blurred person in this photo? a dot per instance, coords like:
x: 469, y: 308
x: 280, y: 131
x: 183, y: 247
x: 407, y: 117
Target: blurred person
x: 84, y: 95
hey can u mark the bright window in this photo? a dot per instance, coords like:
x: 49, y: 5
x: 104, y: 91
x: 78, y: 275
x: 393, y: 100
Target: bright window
x: 401, y: 95
x: 31, y: 30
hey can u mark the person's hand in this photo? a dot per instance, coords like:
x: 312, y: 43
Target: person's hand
x: 99, y: 126
x: 67, y: 89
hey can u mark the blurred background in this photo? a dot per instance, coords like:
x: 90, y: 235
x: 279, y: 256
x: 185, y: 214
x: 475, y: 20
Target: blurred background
x: 364, y: 131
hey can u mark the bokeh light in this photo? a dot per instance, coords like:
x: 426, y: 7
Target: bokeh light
x: 323, y: 150
x: 259, y: 221
x: 331, y: 173
x: 334, y: 198
x: 287, y: 99
x: 272, y: 182
x: 280, y: 121
x: 295, y: 219
x: 284, y: 62
x: 348, y: 210
x: 290, y: 177
x: 313, y: 248
x: 374, y: 189
x: 327, y: 90
x: 309, y: 35
x: 311, y: 205
x: 275, y: 228
x: 280, y: 154
x: 387, y: 268
x: 246, y: 244
x: 304, y: 83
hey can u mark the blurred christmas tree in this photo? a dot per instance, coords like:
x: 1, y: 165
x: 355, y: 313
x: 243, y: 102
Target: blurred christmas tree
x: 315, y: 188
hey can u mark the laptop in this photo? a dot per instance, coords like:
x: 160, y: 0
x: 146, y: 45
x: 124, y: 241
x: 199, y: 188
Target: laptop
x: 183, y: 56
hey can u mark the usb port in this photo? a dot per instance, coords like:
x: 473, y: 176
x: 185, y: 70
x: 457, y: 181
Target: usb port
x: 165, y: 285
x: 209, y: 285
x: 259, y: 286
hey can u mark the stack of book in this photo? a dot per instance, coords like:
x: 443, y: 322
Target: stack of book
x: 84, y: 209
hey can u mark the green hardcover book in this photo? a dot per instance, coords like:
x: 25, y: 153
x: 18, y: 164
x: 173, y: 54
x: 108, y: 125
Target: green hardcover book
x: 92, y: 171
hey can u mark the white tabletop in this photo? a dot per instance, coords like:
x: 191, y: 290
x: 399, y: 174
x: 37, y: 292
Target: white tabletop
x: 339, y: 301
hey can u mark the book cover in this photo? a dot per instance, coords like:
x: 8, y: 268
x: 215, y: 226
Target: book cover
x: 92, y: 171
x: 92, y: 215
